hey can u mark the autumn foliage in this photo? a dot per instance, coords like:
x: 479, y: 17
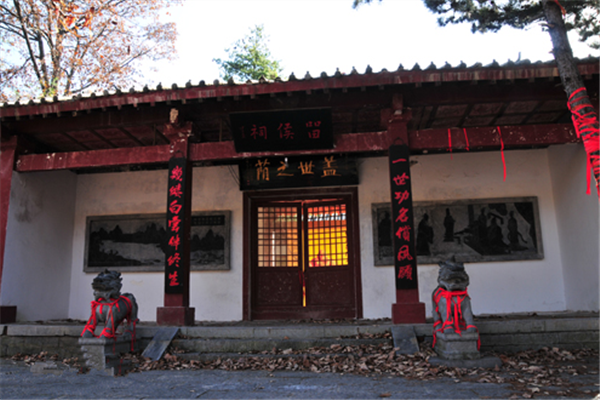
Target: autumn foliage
x: 62, y: 47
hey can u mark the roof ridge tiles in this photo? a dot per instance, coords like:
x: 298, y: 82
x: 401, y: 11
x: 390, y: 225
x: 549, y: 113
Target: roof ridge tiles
x: 399, y: 76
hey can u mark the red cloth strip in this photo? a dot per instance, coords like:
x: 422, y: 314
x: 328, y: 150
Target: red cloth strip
x: 453, y: 312
x: 586, y: 127
x: 466, y: 138
x: 502, y: 152
x: 562, y: 9
x: 588, y: 168
x: 478, y: 337
x: 450, y: 143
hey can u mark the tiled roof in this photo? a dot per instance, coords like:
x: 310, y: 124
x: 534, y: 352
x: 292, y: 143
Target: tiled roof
x: 523, y: 69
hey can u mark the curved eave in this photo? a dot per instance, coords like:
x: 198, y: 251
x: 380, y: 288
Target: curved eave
x: 336, y: 82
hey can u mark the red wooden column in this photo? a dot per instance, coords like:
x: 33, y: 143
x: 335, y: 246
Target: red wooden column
x: 177, y: 310
x: 407, y: 308
x: 8, y: 149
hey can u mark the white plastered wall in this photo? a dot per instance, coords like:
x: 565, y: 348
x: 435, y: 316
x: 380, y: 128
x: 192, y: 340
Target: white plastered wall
x: 496, y: 287
x: 48, y: 214
x: 578, y: 219
x: 37, y: 259
x: 216, y: 295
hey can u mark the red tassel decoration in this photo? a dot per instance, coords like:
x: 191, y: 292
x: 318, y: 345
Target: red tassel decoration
x: 502, y: 152
x: 450, y: 143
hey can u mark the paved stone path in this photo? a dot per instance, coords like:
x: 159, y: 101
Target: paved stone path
x: 18, y: 380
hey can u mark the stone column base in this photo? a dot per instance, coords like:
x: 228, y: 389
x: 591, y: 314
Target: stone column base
x: 175, y: 316
x: 8, y: 314
x: 408, y: 313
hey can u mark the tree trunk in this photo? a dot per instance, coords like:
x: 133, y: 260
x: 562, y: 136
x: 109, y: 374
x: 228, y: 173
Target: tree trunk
x: 585, y: 118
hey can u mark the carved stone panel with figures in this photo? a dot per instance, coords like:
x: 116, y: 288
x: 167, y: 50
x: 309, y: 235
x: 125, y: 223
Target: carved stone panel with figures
x: 479, y: 230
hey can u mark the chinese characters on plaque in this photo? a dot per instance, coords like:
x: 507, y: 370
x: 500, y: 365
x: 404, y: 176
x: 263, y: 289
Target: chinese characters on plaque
x: 175, y: 229
x: 302, y: 171
x: 405, y: 258
x: 282, y: 130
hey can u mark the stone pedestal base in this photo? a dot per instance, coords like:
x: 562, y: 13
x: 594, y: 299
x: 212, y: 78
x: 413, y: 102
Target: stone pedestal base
x: 460, y: 351
x: 175, y: 316
x: 8, y: 314
x: 105, y: 354
x: 407, y: 309
x: 452, y: 346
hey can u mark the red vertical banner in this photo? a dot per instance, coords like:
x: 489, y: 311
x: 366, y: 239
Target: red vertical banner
x: 177, y: 254
x: 405, y: 258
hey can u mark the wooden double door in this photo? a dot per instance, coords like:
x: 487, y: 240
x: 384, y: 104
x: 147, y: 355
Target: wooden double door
x: 302, y: 253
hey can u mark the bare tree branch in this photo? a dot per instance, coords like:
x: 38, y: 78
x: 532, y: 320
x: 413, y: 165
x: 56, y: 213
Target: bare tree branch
x: 80, y: 43
x: 28, y: 43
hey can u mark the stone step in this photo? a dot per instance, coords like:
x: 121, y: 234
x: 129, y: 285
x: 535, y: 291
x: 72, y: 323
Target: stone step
x: 283, y: 332
x: 503, y: 334
x: 218, y: 345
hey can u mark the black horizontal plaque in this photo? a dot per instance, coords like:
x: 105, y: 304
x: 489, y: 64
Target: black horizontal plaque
x: 288, y: 172
x: 282, y: 130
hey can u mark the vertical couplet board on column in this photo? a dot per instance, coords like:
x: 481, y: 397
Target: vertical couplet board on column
x: 177, y: 254
x: 8, y: 151
x: 405, y: 259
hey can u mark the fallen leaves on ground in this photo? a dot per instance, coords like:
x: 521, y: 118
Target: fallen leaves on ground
x: 542, y: 373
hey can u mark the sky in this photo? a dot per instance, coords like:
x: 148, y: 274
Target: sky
x: 323, y: 35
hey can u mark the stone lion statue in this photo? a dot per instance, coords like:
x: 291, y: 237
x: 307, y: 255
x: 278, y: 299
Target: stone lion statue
x: 111, y: 307
x: 452, y: 311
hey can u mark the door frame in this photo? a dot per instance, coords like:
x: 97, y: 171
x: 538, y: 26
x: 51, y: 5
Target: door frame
x: 353, y: 223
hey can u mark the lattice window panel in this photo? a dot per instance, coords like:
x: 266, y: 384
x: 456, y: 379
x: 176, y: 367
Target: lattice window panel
x: 278, y: 239
x: 327, y: 236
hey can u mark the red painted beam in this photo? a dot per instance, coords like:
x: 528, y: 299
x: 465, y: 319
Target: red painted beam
x: 213, y: 151
x: 94, y: 158
x: 346, y: 143
x: 429, y: 140
x: 488, y: 138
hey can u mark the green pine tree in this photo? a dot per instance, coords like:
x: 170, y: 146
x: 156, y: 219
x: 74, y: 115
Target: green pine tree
x: 250, y: 58
x: 558, y: 16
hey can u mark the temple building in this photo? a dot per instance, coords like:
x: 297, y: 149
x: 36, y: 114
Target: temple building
x: 321, y: 197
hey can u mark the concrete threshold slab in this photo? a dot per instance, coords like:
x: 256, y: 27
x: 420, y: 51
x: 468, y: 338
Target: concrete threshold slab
x: 222, y: 345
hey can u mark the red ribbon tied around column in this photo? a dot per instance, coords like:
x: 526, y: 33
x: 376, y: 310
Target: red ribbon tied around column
x: 586, y: 127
